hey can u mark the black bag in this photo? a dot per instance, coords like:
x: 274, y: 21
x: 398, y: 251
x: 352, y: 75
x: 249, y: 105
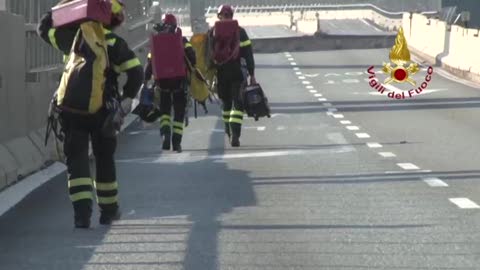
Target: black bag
x: 255, y: 102
x: 146, y: 109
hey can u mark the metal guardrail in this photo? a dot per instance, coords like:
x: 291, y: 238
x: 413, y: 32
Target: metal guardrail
x: 313, y: 7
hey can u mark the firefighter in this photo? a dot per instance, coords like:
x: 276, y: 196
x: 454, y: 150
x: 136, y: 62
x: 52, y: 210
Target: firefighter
x: 172, y: 91
x: 79, y: 128
x: 231, y: 80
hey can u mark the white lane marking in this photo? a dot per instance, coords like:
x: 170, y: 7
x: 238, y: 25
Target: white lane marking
x: 374, y: 145
x: 464, y: 203
x: 291, y: 59
x: 311, y: 75
x: 332, y: 74
x: 301, y: 77
x: 318, y: 95
x: 353, y: 128
x: 408, y: 166
x: 296, y: 68
x: 261, y: 128
x: 298, y: 73
x: 351, y: 81
x: 330, y: 82
x: 322, y: 99
x: 313, y: 91
x: 14, y: 194
x: 401, y: 172
x: 370, y: 25
x: 293, y: 63
x: 281, y: 128
x: 356, y: 73
x: 387, y: 154
x: 362, y: 135
x: 309, y: 87
x: 332, y: 109
x: 131, y: 213
x: 345, y: 122
x: 434, y: 182
x: 306, y: 82
x: 338, y: 116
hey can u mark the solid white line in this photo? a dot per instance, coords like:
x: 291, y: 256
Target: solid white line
x: 362, y: 135
x: 345, y: 122
x: 353, y: 128
x: 408, y: 166
x: 464, y: 203
x: 387, y: 154
x: 318, y: 95
x: 306, y: 82
x: 313, y: 91
x: 374, y: 145
x: 435, y: 182
x: 14, y: 194
x: 322, y: 99
x: 373, y: 26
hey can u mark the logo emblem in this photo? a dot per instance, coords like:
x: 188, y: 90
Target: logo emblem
x: 400, y: 70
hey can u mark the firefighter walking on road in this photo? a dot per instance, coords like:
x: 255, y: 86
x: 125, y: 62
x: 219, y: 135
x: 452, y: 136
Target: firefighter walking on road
x: 96, y: 117
x: 173, y: 91
x: 228, y: 60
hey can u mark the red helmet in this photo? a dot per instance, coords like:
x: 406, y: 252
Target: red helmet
x: 225, y: 10
x: 169, y: 19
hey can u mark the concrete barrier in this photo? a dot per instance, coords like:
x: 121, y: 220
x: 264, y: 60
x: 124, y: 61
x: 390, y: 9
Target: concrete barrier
x: 321, y: 42
x: 454, y: 48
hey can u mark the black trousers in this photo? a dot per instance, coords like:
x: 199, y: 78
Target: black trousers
x: 229, y: 92
x: 79, y: 131
x: 177, y: 99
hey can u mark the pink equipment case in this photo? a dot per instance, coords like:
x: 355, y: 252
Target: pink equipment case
x: 168, y: 56
x: 79, y: 11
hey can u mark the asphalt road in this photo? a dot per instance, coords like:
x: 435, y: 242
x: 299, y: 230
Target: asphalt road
x: 305, y: 191
x: 273, y: 31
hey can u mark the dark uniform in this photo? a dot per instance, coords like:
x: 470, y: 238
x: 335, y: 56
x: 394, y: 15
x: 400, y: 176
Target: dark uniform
x: 230, y: 81
x: 80, y: 128
x: 172, y: 92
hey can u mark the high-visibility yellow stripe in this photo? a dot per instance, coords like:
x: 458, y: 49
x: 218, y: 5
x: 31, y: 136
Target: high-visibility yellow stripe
x: 246, y: 43
x: 112, y: 41
x: 188, y: 45
x: 51, y: 37
x: 106, y: 186
x: 106, y: 31
x: 178, y: 131
x: 236, y: 120
x: 107, y: 200
x: 165, y: 117
x: 65, y: 58
x: 178, y: 124
x: 164, y: 123
x: 116, y: 7
x: 238, y: 113
x: 127, y: 65
x: 85, y: 195
x: 79, y: 182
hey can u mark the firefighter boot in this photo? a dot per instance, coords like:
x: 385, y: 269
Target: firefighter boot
x: 167, y: 137
x: 236, y: 130
x: 108, y: 216
x: 83, y: 212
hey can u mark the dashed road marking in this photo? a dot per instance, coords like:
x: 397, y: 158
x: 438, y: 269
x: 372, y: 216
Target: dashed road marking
x: 338, y: 116
x: 345, y: 122
x: 291, y: 59
x: 318, y: 95
x: 327, y: 104
x: 464, y: 203
x: 408, y: 166
x: 362, y: 135
x: 301, y: 77
x: 293, y: 63
x: 298, y: 73
x: 309, y: 87
x: 281, y: 128
x: 313, y: 91
x: 374, y: 145
x: 387, y: 154
x: 353, y: 128
x: 434, y: 182
x: 306, y: 82
x: 261, y: 128
x: 296, y: 68
x: 322, y: 99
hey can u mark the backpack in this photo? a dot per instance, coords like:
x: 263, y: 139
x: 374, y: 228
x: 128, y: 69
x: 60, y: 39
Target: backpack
x: 82, y: 85
x: 255, y: 101
x: 168, y: 55
x: 226, y: 45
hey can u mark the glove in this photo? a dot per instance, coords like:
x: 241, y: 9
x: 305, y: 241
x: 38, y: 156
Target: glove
x: 126, y: 106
